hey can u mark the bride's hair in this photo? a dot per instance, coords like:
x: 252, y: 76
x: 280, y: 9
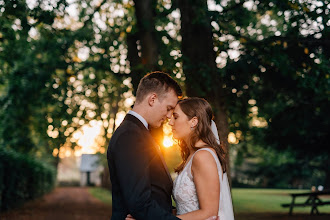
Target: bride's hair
x: 200, y: 108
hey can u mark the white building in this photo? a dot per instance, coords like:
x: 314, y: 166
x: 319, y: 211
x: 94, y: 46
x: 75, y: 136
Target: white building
x: 90, y: 170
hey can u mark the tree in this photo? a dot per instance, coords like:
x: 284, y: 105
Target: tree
x: 281, y: 72
x: 202, y: 76
x: 26, y: 72
x: 263, y: 66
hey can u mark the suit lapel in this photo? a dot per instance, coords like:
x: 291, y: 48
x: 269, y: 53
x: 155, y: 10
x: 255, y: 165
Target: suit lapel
x: 161, y: 157
x: 152, y: 140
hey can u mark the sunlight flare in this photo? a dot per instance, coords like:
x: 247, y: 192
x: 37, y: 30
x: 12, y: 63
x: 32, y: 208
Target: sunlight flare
x: 167, y: 142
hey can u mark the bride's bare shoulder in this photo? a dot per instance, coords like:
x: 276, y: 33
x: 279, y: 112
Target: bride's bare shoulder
x: 202, y: 150
x: 204, y: 158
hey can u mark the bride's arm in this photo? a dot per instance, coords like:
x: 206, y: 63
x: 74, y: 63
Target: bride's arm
x: 206, y: 179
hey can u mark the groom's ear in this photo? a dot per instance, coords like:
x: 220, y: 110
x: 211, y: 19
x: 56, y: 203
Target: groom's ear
x: 152, y: 99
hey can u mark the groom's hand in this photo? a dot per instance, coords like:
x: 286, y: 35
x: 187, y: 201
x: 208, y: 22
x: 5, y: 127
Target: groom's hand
x: 213, y: 218
x: 129, y: 217
x: 174, y: 211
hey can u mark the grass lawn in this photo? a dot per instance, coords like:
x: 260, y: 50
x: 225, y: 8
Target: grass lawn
x: 101, y: 194
x: 248, y: 201
x: 269, y: 200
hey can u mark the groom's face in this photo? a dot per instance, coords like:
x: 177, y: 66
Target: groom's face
x: 163, y: 108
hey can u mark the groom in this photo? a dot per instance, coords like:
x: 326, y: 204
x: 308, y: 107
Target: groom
x: 141, y: 183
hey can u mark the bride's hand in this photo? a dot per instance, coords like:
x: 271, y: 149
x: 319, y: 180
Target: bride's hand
x: 129, y: 217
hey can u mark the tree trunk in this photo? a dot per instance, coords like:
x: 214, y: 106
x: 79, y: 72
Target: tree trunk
x: 137, y: 70
x: 145, y: 33
x: 105, y: 181
x: 199, y: 67
x: 145, y: 13
x: 327, y: 175
x: 327, y: 180
x: 56, y: 161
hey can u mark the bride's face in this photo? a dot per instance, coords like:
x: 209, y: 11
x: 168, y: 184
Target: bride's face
x: 181, y: 125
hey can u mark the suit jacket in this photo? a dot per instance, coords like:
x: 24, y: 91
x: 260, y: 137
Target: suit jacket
x: 141, y: 183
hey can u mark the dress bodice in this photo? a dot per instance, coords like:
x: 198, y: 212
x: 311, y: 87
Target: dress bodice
x: 185, y: 195
x: 184, y: 191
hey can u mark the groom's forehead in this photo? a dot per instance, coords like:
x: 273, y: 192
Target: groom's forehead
x: 172, y: 99
x: 171, y: 105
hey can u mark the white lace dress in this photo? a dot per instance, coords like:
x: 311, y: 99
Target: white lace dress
x: 185, y: 195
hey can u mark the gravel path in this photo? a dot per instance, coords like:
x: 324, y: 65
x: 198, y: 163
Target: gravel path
x: 65, y: 203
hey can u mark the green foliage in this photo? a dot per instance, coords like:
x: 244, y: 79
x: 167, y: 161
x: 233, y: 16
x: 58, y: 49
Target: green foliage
x: 42, y: 100
x: 22, y: 178
x: 28, y: 76
x: 283, y: 66
x: 47, y: 91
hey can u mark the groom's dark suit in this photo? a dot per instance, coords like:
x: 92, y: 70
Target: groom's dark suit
x: 141, y: 184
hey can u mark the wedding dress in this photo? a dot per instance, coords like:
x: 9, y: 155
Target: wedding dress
x: 185, y: 195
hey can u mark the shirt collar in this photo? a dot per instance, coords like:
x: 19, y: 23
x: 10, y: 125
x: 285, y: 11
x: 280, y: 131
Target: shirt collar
x: 138, y: 116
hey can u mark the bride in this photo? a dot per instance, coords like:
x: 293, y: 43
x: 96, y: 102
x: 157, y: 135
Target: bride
x: 201, y: 188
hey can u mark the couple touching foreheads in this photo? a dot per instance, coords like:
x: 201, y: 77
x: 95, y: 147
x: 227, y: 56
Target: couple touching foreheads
x: 141, y: 183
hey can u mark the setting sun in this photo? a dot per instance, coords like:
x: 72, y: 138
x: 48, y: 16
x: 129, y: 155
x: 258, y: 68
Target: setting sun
x: 168, y: 136
x: 89, y: 140
x: 167, y: 142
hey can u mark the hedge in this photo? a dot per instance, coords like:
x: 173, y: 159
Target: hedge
x: 22, y: 178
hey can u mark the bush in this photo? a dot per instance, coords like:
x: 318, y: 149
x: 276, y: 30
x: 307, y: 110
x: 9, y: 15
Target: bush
x: 22, y: 178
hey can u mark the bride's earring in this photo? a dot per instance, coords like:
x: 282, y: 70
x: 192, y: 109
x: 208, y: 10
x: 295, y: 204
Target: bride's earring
x: 191, y: 128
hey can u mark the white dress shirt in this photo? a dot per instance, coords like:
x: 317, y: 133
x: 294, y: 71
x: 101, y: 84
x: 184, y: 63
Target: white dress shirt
x: 144, y: 122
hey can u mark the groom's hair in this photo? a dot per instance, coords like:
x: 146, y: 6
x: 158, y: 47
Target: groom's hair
x: 157, y: 82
